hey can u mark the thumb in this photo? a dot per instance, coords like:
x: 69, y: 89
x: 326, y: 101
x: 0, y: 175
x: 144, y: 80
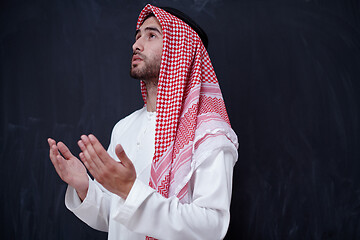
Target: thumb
x: 120, y: 153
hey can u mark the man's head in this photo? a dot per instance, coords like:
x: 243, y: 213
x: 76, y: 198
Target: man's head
x: 147, y: 50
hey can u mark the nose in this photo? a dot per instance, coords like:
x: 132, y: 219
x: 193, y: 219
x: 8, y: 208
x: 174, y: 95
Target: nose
x: 138, y: 45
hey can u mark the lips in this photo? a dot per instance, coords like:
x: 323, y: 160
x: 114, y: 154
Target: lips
x: 136, y: 58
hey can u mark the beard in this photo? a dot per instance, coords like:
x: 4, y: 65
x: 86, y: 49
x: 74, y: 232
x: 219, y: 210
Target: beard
x: 150, y: 69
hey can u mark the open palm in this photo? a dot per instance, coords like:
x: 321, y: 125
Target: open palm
x: 69, y: 168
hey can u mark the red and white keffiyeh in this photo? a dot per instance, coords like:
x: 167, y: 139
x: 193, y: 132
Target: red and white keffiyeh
x: 189, y: 106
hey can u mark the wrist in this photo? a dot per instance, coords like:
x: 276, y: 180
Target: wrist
x: 126, y: 190
x: 81, y: 194
x: 82, y: 189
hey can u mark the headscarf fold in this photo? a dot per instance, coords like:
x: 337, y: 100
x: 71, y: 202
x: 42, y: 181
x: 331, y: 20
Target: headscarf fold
x: 189, y: 108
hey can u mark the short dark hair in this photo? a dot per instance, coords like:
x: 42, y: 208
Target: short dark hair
x: 147, y: 16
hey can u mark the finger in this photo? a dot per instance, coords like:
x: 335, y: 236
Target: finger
x: 82, y: 146
x: 51, y: 142
x: 89, y: 153
x: 58, y: 162
x: 89, y: 167
x: 52, y: 150
x: 120, y: 153
x: 85, y: 157
x: 54, y: 153
x: 64, y: 150
x: 100, y: 150
x: 60, y: 165
x: 63, y: 168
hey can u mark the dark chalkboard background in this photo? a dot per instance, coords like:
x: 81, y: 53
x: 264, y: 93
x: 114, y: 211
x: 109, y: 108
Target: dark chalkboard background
x: 289, y: 71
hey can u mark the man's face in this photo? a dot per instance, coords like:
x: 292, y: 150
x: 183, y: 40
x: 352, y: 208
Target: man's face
x: 147, y: 50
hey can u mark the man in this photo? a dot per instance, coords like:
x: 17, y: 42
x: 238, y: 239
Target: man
x: 167, y: 173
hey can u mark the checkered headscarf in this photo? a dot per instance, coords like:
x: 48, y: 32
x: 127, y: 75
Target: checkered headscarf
x: 189, y: 106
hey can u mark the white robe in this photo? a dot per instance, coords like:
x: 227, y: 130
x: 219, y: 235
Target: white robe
x: 145, y: 212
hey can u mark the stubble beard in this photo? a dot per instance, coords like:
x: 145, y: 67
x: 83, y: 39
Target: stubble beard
x: 149, y: 72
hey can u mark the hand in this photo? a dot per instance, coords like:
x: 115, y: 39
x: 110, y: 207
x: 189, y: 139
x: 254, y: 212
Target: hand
x: 117, y: 177
x: 69, y: 168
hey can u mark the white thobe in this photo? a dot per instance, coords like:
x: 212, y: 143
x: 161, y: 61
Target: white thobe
x: 147, y: 213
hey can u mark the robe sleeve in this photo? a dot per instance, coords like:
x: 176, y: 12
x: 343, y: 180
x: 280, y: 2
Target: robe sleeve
x: 94, y: 210
x: 206, y: 217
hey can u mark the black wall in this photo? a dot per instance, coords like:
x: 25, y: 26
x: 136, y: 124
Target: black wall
x: 289, y: 72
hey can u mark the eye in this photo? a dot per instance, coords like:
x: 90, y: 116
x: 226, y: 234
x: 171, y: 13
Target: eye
x: 151, y: 35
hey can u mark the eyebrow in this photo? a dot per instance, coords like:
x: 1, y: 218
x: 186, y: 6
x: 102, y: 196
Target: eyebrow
x: 149, y: 29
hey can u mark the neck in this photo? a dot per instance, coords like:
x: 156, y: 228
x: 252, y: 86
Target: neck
x: 151, y: 89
